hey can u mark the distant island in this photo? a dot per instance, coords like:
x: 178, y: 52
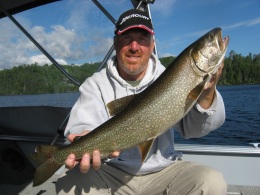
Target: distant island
x: 35, y: 79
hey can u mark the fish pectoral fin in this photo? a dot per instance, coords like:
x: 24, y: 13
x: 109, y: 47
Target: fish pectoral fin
x: 145, y: 148
x: 77, y: 138
x: 118, y: 105
x: 195, y: 93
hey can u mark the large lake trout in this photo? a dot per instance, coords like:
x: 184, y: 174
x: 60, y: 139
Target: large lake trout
x: 141, y: 118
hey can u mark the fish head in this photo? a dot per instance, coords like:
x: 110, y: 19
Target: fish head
x: 207, y: 53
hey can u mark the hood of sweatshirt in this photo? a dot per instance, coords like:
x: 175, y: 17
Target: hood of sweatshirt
x: 153, y: 71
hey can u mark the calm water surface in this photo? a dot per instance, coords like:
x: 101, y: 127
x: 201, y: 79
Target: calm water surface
x: 242, y: 125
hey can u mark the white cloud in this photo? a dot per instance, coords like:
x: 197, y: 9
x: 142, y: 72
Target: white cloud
x: 162, y: 55
x: 79, y: 14
x: 247, y: 23
x: 75, y: 41
x: 42, y: 60
x: 192, y: 36
x: 59, y: 42
x: 163, y: 7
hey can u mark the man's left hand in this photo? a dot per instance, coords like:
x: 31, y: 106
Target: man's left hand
x: 206, y: 98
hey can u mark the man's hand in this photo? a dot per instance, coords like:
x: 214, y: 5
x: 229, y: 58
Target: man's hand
x: 206, y: 98
x: 85, y: 164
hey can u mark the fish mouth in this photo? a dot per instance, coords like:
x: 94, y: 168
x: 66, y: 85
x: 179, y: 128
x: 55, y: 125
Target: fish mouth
x: 223, y: 42
x: 223, y: 47
x: 212, y: 54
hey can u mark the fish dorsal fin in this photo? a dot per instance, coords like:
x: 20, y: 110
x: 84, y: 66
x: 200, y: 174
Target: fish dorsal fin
x: 118, y: 105
x: 195, y: 93
x: 145, y: 148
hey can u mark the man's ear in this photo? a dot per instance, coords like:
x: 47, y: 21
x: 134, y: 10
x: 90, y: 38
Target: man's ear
x: 152, y: 44
x: 115, y: 41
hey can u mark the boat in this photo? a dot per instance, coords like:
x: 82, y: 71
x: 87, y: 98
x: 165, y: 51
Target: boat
x: 23, y: 128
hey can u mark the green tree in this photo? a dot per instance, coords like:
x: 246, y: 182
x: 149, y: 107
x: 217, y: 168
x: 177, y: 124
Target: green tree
x: 35, y: 79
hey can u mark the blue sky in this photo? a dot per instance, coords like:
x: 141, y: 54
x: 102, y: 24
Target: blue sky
x: 76, y: 31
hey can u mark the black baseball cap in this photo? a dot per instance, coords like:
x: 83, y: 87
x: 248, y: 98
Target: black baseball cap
x: 133, y: 18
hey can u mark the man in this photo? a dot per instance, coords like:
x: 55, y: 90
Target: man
x: 131, y: 71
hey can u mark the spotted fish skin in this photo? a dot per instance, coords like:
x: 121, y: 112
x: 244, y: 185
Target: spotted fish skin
x: 141, y: 118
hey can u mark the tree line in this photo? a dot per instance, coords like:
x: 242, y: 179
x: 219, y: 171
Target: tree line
x: 35, y: 79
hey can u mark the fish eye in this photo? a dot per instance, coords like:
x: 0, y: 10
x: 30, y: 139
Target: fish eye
x: 211, y: 37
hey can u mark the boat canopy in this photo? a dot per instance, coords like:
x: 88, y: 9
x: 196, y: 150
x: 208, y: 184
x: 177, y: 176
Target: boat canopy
x: 14, y: 6
x: 11, y: 7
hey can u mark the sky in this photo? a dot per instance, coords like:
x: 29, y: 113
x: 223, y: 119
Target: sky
x: 77, y: 32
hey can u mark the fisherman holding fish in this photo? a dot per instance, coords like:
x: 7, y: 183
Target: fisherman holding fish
x: 129, y: 72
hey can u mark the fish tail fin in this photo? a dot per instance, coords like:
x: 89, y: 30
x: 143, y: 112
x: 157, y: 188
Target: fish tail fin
x: 45, y: 171
x: 48, y: 165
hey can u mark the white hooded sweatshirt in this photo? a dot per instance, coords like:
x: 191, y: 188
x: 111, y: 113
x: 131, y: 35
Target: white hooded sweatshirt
x: 105, y: 86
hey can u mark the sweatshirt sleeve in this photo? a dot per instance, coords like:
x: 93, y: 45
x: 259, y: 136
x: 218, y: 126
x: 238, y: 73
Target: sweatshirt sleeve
x: 199, y: 122
x: 89, y: 110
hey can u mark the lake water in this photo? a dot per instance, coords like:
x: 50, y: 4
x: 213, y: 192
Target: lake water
x: 242, y: 125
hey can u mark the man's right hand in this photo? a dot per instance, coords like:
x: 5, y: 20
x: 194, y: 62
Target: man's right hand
x: 85, y: 164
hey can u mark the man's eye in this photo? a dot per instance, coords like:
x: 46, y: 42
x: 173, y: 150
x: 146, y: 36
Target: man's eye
x: 125, y: 38
x: 143, y: 40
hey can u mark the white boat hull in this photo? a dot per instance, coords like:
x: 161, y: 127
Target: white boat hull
x: 240, y: 165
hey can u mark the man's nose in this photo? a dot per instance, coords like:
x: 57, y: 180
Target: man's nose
x: 134, y: 46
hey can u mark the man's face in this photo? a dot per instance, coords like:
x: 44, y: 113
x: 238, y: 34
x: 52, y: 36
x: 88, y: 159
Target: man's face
x: 133, y: 50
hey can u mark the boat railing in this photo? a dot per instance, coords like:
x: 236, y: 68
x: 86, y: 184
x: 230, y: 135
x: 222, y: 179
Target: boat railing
x: 250, y: 150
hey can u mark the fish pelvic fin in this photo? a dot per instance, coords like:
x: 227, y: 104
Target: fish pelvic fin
x: 48, y: 165
x: 118, y: 105
x: 145, y: 148
x: 195, y: 93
